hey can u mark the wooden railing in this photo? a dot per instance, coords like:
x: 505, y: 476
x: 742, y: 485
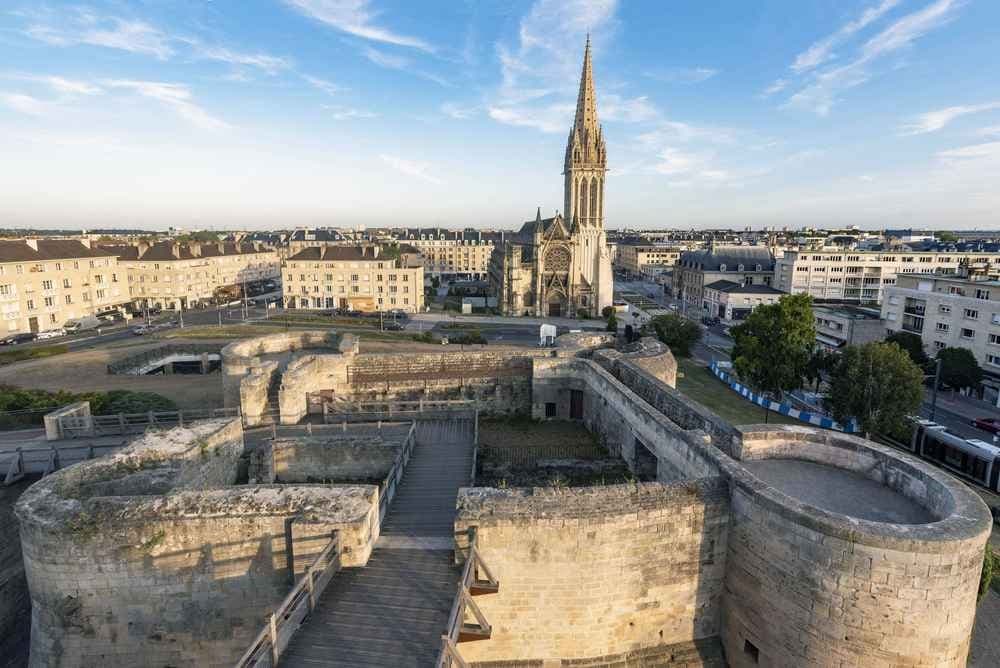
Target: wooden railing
x: 281, y: 624
x: 476, y: 580
x: 396, y: 473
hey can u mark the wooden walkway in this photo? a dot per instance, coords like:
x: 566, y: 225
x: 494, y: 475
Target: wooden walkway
x: 393, y: 611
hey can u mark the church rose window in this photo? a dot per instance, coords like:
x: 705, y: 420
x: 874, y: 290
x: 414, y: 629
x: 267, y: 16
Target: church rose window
x: 557, y: 259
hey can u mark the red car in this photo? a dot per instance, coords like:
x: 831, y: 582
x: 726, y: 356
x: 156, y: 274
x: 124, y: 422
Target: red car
x: 989, y: 424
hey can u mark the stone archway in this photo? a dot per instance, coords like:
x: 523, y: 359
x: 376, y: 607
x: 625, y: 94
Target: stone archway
x: 556, y: 305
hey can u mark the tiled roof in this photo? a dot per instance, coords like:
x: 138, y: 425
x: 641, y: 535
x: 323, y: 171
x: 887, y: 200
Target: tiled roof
x: 164, y: 251
x: 336, y: 253
x: 730, y: 256
x: 48, y: 249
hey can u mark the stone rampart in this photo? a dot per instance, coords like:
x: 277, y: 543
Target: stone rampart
x: 331, y: 458
x: 147, y: 557
x: 588, y: 572
x: 254, y: 392
x: 15, y: 603
x: 53, y: 428
x: 239, y: 357
x: 626, y: 425
x: 647, y: 354
x: 310, y: 375
x: 810, y: 587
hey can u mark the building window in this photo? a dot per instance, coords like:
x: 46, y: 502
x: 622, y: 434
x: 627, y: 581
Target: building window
x: 49, y: 301
x: 46, y: 285
x: 942, y: 327
x: 938, y: 345
x: 69, y: 299
x: 982, y: 294
x: 971, y: 314
x: 31, y: 304
x: 944, y: 308
x: 993, y: 360
x: 968, y: 333
x: 5, y: 291
x: 995, y: 339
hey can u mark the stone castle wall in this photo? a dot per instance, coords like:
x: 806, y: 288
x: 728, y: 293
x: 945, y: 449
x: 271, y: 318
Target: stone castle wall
x: 148, y: 557
x: 330, y: 458
x: 589, y: 572
x: 15, y: 603
x: 805, y: 587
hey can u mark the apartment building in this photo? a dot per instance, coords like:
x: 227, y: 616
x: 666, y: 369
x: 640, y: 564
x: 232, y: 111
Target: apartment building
x: 732, y: 302
x: 646, y: 259
x: 743, y: 265
x: 840, y: 325
x: 357, y: 278
x: 950, y: 311
x: 861, y: 277
x: 452, y: 254
x: 181, y: 275
x: 301, y: 239
x: 45, y: 282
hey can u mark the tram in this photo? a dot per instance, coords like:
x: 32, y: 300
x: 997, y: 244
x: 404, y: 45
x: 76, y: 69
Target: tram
x: 973, y: 459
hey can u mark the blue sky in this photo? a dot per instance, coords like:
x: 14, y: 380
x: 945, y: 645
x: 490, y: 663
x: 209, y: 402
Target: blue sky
x: 277, y: 113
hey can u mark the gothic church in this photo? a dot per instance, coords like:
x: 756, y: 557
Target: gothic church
x: 561, y: 266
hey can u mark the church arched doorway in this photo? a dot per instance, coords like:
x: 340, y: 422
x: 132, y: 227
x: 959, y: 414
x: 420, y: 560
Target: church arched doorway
x: 555, y: 306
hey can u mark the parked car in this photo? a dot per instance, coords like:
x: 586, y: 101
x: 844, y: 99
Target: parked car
x: 141, y: 330
x: 989, y: 424
x: 392, y: 326
x: 51, y: 334
x: 14, y: 339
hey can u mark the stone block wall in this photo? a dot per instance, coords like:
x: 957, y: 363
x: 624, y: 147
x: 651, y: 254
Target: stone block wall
x: 15, y: 603
x: 647, y: 354
x: 147, y: 557
x: 53, y: 430
x: 588, y: 572
x: 625, y: 424
x: 307, y: 375
x: 254, y: 389
x: 806, y: 587
x: 328, y: 459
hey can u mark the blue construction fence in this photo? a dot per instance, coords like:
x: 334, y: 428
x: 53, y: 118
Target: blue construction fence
x: 817, y: 419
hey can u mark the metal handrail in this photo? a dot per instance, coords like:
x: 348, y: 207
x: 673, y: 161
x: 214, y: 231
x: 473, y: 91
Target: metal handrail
x: 268, y: 645
x: 139, y: 359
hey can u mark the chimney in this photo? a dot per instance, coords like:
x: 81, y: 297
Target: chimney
x: 86, y: 242
x: 195, y: 249
x: 175, y: 250
x: 142, y: 247
x: 32, y: 244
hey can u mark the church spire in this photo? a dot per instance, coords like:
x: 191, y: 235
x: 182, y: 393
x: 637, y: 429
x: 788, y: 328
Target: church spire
x: 586, y: 101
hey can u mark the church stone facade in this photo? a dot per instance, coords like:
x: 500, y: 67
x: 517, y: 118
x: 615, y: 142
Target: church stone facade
x: 561, y: 266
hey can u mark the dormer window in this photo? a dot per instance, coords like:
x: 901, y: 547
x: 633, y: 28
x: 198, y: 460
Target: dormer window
x: 758, y: 267
x: 722, y: 267
x: 739, y: 268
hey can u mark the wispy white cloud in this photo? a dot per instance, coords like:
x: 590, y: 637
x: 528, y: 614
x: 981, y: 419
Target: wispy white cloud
x: 539, y: 73
x: 327, y: 87
x: 550, y: 118
x: 262, y: 61
x: 822, y: 51
x: 776, y: 87
x: 989, y: 150
x: 25, y: 104
x: 413, y: 168
x: 58, y: 84
x: 670, y: 132
x: 684, y: 75
x: 176, y: 96
x: 84, y: 27
x: 349, y: 113
x: 356, y: 17
x: 458, y: 112
x: 629, y: 110
x: 824, y: 87
x: 932, y: 121
x: 991, y: 131
x: 401, y: 63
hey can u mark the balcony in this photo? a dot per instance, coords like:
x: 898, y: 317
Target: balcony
x: 912, y: 309
x: 913, y: 324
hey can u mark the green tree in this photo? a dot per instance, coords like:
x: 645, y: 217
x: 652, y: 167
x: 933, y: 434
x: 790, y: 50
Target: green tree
x: 912, y: 344
x: 677, y: 332
x: 947, y: 237
x: 612, y: 322
x: 878, y: 385
x: 774, y: 344
x: 959, y: 368
x: 607, y: 311
x: 821, y: 361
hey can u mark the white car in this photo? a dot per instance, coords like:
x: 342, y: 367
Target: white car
x: 51, y: 334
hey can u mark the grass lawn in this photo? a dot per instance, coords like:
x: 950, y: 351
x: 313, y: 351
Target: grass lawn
x: 20, y: 354
x: 701, y: 385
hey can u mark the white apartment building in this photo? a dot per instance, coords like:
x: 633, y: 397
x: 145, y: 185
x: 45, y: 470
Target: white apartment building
x: 452, y: 254
x: 46, y: 282
x: 861, y: 277
x: 960, y: 311
x: 357, y: 278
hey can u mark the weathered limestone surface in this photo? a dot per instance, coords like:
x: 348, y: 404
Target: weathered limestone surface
x: 15, y: 604
x: 587, y: 572
x: 240, y: 357
x: 626, y: 425
x: 254, y: 391
x: 146, y: 557
x: 332, y: 457
x: 647, y: 354
x: 810, y: 587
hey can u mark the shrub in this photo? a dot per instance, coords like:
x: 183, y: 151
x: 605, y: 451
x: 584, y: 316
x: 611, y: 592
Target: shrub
x: 677, y: 332
x: 991, y: 564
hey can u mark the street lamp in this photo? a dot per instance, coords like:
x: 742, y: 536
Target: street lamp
x: 934, y: 388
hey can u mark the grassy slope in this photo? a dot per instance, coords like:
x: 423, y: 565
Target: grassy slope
x: 699, y: 384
